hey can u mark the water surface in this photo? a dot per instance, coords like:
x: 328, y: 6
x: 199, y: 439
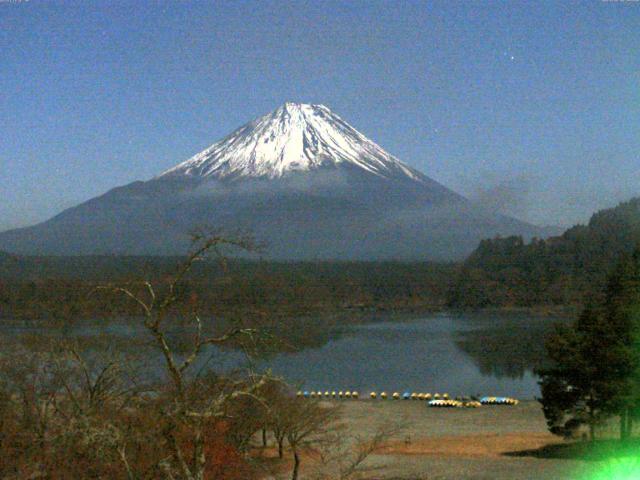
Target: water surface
x: 484, y: 354
x: 457, y: 354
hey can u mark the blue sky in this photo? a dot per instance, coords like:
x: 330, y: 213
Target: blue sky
x: 530, y: 105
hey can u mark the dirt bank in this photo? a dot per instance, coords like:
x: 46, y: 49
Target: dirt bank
x: 483, y: 443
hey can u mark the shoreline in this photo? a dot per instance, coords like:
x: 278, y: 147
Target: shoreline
x: 562, y: 311
x: 494, y: 442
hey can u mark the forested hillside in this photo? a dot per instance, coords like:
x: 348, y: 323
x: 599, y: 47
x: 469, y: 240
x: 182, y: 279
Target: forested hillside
x: 37, y: 287
x: 507, y: 272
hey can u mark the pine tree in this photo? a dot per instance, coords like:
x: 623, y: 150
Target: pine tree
x: 596, y: 361
x: 622, y: 312
x: 570, y: 387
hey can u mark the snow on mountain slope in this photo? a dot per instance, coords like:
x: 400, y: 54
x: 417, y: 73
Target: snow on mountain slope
x: 293, y: 138
x: 315, y: 188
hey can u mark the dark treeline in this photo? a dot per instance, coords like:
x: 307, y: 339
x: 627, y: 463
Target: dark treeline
x: 50, y: 287
x: 507, y: 272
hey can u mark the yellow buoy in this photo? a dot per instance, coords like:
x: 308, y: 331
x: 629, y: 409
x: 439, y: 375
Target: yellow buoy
x: 396, y: 395
x: 347, y: 394
x: 340, y: 393
x: 355, y: 394
x: 373, y: 395
x: 326, y: 394
x: 383, y: 395
x: 333, y: 394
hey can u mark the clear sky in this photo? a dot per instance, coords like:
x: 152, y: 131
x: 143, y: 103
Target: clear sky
x: 531, y: 105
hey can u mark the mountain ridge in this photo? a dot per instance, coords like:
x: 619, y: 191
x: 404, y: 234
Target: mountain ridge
x: 301, y: 179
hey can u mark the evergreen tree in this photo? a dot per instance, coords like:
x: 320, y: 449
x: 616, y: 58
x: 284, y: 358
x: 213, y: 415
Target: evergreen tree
x: 569, y: 388
x: 622, y: 313
x: 595, y: 369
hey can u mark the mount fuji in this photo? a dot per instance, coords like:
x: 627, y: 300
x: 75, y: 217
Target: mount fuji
x: 300, y: 179
x: 293, y: 138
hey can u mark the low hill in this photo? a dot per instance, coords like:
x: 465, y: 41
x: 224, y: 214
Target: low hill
x: 505, y: 272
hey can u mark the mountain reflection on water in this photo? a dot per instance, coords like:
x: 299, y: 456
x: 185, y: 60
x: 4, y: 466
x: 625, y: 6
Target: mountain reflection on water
x: 459, y: 354
x: 502, y: 348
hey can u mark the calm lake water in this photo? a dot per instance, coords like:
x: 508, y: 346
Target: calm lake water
x: 457, y: 354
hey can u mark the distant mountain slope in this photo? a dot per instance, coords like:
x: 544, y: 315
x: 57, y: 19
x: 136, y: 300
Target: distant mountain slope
x: 556, y: 271
x: 299, y: 178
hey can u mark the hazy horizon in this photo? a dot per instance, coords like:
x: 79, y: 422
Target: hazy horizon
x: 530, y: 109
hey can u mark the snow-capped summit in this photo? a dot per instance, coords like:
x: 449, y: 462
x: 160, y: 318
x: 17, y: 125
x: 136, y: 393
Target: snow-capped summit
x: 295, y: 137
x: 317, y: 189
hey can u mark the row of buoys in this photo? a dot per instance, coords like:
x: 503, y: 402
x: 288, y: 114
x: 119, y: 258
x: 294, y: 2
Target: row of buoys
x: 498, y: 401
x: 372, y: 395
x: 442, y: 403
x: 435, y: 400
x: 328, y: 394
x: 445, y: 403
x: 408, y: 396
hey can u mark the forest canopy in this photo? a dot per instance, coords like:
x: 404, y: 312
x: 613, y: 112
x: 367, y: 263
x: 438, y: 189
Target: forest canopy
x: 508, y: 272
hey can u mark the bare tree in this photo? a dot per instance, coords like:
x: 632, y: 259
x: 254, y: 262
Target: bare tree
x: 343, y: 456
x: 187, y: 409
x: 306, y: 424
x: 75, y: 409
x: 65, y: 410
x: 29, y: 380
x: 277, y: 401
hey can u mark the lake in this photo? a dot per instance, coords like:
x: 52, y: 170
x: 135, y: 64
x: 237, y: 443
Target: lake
x: 460, y: 354
x: 457, y: 354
